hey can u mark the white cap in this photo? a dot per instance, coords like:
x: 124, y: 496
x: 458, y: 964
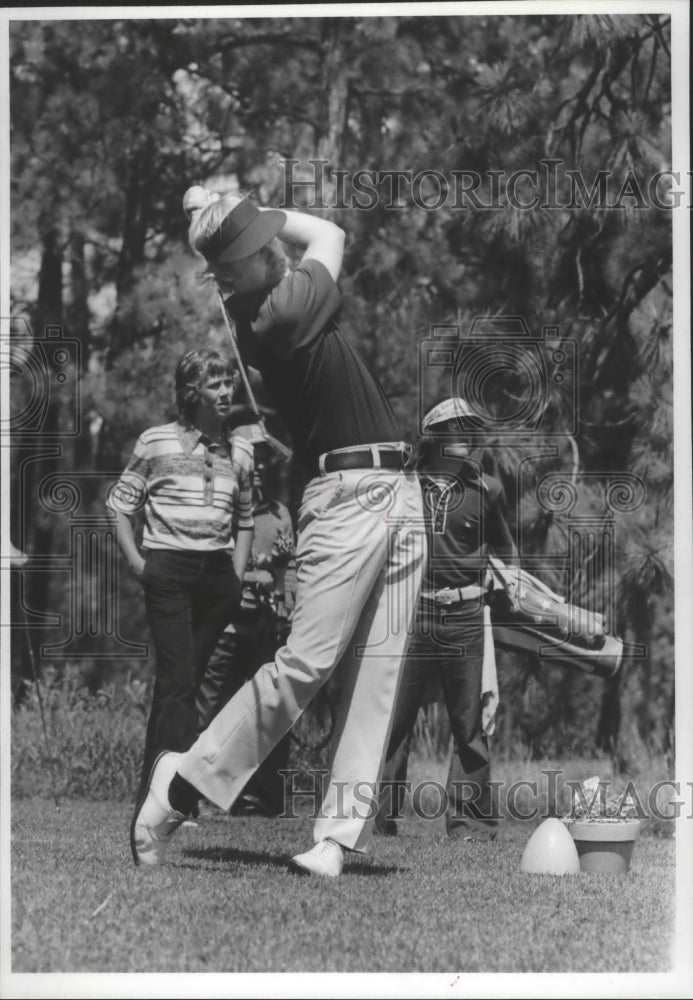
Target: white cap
x: 454, y: 408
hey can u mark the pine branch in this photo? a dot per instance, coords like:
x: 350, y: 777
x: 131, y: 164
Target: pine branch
x: 232, y: 91
x: 419, y: 92
x: 576, y: 458
x: 581, y: 280
x: 649, y: 273
x: 657, y: 31
x: 639, y: 281
x: 602, y: 422
x: 580, y: 99
x: 231, y: 42
x: 653, y: 62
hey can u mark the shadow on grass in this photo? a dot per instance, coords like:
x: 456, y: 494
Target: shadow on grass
x: 359, y: 868
x: 226, y: 855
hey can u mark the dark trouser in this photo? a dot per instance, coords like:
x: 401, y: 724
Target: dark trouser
x: 451, y: 645
x: 190, y: 597
x: 236, y: 658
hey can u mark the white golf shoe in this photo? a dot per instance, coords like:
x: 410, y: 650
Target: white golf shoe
x: 155, y: 821
x: 325, y: 860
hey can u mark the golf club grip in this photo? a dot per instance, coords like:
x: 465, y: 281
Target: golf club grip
x: 277, y: 445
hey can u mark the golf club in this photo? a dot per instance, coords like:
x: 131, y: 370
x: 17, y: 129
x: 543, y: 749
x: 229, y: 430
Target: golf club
x: 280, y: 448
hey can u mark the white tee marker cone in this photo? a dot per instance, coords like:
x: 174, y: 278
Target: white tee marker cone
x: 550, y: 851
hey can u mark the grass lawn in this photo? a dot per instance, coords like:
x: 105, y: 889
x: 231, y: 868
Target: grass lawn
x: 226, y: 903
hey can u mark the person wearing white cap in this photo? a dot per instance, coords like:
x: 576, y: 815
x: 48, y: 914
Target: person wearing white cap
x: 360, y: 546
x: 465, y: 518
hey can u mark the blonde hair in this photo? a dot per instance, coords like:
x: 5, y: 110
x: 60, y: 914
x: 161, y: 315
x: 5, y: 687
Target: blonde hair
x: 206, y: 211
x: 191, y: 372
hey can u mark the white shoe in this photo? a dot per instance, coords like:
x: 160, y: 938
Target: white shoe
x: 326, y: 859
x: 155, y: 822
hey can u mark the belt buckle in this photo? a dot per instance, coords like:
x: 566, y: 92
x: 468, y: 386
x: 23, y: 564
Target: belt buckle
x: 446, y: 596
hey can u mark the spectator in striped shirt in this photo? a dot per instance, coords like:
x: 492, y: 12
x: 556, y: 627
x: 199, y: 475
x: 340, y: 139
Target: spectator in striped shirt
x: 192, y: 482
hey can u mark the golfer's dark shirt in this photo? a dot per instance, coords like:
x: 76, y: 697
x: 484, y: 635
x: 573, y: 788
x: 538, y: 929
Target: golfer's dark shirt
x: 322, y: 387
x: 464, y: 520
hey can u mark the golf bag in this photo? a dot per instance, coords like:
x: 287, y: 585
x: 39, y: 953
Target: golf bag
x: 529, y: 617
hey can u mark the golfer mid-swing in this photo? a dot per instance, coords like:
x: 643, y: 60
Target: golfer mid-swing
x: 360, y: 550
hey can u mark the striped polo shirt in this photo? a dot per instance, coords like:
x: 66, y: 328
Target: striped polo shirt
x: 193, y: 492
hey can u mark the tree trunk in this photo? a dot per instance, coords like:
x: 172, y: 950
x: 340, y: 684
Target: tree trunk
x: 78, y: 319
x: 33, y: 525
x: 49, y: 306
x: 135, y: 223
x: 78, y: 312
x: 336, y: 78
x: 136, y: 218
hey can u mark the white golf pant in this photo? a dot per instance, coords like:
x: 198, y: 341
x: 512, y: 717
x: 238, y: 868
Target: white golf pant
x: 360, y: 556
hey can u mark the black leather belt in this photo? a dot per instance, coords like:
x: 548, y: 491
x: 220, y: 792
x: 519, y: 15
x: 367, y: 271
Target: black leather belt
x: 363, y: 458
x: 454, y: 595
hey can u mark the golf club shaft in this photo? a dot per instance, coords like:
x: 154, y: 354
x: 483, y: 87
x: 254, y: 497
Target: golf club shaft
x: 282, y: 449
